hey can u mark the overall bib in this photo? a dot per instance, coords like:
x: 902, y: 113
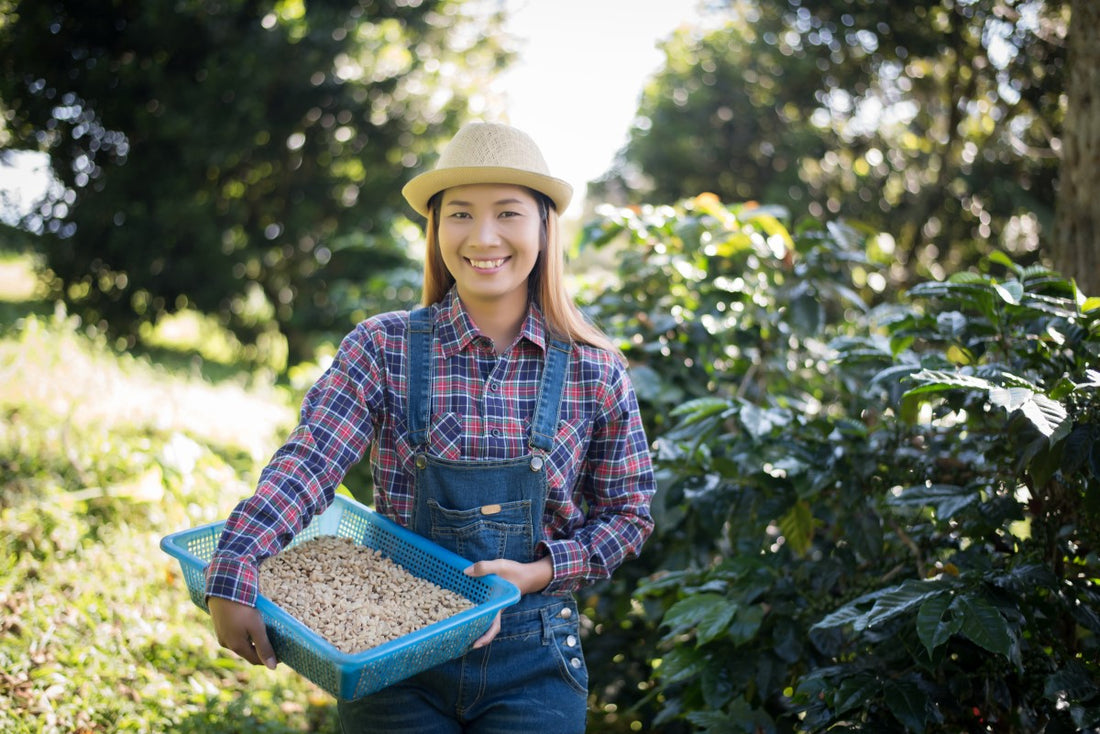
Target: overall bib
x: 532, y: 675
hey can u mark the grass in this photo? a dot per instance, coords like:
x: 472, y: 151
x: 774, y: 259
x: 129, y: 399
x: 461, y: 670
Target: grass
x: 101, y: 455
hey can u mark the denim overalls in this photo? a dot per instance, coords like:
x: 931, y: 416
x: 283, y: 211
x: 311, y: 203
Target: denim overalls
x: 532, y: 676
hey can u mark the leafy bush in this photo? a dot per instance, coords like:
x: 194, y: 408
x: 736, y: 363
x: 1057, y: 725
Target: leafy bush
x: 874, y: 514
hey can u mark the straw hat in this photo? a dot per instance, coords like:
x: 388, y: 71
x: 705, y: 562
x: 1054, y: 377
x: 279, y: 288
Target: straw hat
x: 485, y: 152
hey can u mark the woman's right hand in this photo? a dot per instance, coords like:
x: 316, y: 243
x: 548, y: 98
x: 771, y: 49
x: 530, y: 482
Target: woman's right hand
x: 240, y: 628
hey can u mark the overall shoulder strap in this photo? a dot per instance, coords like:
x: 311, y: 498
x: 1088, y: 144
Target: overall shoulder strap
x: 419, y: 370
x: 544, y: 425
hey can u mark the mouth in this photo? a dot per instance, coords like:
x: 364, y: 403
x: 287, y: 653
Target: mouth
x: 487, y: 264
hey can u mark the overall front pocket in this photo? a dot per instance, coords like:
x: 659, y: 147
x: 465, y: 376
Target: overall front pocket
x: 486, y: 532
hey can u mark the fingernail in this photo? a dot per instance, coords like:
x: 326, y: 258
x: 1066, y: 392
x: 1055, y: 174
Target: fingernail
x: 270, y: 662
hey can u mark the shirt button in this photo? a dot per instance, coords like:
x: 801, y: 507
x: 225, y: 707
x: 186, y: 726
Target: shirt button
x: 495, y: 433
x: 575, y: 662
x: 570, y: 641
x: 493, y: 387
x: 565, y: 613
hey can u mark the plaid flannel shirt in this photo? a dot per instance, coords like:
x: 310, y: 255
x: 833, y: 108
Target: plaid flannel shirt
x: 599, y: 476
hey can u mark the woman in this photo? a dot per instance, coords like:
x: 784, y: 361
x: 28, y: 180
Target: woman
x: 500, y: 424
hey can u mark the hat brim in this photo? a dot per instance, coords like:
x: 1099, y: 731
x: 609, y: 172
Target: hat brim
x: 422, y: 188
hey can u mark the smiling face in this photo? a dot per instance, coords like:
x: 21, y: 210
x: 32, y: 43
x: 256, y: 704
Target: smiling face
x: 489, y: 239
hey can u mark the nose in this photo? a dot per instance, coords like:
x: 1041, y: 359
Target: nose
x: 485, y: 232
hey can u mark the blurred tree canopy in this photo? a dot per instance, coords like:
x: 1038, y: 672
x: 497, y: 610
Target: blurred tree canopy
x: 239, y: 157
x: 937, y: 121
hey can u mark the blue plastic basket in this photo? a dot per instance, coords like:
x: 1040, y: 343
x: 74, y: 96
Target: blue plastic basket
x: 351, y: 676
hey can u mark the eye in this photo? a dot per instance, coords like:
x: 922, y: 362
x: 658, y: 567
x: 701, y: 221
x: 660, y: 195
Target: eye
x: 460, y: 215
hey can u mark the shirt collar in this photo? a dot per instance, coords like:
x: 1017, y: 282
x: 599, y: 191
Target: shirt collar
x: 456, y: 330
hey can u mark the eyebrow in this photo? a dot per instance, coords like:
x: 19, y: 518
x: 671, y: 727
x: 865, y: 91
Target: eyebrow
x: 499, y: 202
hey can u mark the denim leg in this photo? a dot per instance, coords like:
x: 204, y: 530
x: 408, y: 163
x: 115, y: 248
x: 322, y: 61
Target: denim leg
x: 409, y: 707
x: 536, y: 680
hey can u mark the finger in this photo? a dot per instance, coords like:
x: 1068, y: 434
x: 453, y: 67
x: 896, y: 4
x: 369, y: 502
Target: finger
x: 242, y: 646
x: 483, y: 568
x: 486, y: 638
x: 261, y: 646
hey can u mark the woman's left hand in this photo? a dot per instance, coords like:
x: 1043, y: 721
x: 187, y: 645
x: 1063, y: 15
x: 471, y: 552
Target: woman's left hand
x: 527, y: 577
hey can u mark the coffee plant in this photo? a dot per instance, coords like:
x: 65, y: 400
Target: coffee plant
x: 876, y: 512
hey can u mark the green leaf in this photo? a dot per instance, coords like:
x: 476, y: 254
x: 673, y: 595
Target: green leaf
x: 760, y: 422
x: 701, y: 407
x: 855, y: 692
x: 772, y: 226
x: 797, y: 527
x: 850, y: 613
x: 1010, y: 398
x: 1047, y: 462
x: 945, y: 499
x: 1062, y: 388
x: 1073, y: 683
x: 908, y: 703
x: 965, y: 277
x: 746, y: 623
x: 1077, y: 447
x: 901, y: 599
x: 806, y: 314
x: 939, y: 380
x: 741, y: 718
x: 1000, y: 258
x: 717, y: 683
x: 707, y: 614
x: 1049, y: 416
x: 932, y: 629
x: 681, y: 663
x: 983, y: 624
x: 651, y: 388
x: 1010, y: 292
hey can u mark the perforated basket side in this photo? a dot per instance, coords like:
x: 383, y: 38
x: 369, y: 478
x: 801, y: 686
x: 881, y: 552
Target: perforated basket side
x: 446, y: 644
x: 301, y: 648
x: 193, y: 549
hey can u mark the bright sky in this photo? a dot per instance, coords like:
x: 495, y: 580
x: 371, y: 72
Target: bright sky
x: 580, y: 68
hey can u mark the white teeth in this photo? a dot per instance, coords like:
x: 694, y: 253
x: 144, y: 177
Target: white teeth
x: 487, y: 264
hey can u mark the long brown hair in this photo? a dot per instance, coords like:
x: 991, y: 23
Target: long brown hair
x: 546, y: 284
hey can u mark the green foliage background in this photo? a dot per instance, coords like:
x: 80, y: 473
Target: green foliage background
x: 877, y: 512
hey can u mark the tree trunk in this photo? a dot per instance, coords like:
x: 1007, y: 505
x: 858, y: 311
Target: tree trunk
x: 1075, y: 250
